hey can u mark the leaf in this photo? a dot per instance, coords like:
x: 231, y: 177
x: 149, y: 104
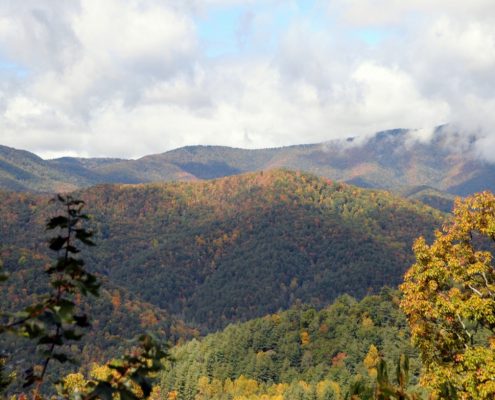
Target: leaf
x: 58, y: 221
x: 73, y: 249
x: 82, y: 321
x: 70, y: 334
x: 33, y: 329
x: 65, y: 309
x: 57, y: 243
x: 103, y: 390
x: 52, y: 339
x: 89, y: 284
x: 29, y: 377
x: 75, y: 202
x: 84, y: 236
x: 61, y: 357
x: 143, y: 383
x: 115, y: 364
x: 4, y: 276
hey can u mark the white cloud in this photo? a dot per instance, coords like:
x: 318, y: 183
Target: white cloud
x: 381, y: 13
x: 129, y: 77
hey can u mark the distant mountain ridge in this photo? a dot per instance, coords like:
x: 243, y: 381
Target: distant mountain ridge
x: 396, y: 160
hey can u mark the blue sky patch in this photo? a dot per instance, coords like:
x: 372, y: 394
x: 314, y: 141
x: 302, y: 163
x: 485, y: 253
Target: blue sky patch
x: 373, y: 36
x: 9, y: 68
x: 226, y: 30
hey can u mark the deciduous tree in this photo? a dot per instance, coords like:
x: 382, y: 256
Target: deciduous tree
x: 449, y: 300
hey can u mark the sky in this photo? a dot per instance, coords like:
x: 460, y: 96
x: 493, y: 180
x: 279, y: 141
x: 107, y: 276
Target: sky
x: 126, y: 78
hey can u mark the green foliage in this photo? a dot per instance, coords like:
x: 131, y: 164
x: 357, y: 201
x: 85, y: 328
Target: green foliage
x: 449, y: 300
x: 3, y: 275
x: 240, y: 247
x: 383, y: 388
x: 298, y: 345
x: 6, y: 377
x: 129, y: 377
x: 442, y: 201
x: 54, y: 320
x: 386, y: 390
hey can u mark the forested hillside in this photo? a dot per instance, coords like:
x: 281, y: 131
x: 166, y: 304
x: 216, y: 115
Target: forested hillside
x: 298, y: 354
x: 118, y: 314
x: 235, y: 248
x: 24, y: 171
x: 442, y: 201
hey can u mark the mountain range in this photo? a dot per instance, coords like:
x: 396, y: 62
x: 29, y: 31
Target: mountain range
x: 195, y: 239
x: 184, y: 258
x: 398, y: 160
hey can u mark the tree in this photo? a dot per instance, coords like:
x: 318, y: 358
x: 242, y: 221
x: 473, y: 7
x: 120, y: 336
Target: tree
x: 449, y: 300
x: 386, y: 390
x: 371, y: 361
x: 55, y: 321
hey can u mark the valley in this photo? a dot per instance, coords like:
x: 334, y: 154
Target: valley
x: 269, y: 283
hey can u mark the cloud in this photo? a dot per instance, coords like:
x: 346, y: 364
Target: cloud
x: 382, y: 13
x: 83, y: 59
x: 132, y: 77
x: 389, y: 95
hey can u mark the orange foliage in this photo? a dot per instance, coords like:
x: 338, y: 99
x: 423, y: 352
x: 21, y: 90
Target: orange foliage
x: 338, y: 359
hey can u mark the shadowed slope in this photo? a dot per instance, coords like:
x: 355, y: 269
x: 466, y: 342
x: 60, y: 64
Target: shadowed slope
x: 238, y: 247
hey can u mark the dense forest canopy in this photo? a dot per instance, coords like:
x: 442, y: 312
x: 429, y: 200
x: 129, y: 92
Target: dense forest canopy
x: 234, y: 248
x: 295, y: 353
x: 313, y: 350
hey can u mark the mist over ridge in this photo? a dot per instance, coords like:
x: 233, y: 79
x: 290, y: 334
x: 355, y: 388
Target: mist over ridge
x: 441, y: 159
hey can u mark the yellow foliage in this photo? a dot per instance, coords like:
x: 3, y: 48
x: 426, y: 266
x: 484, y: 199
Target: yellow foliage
x: 322, y: 388
x: 448, y: 292
x: 244, y: 388
x: 371, y: 361
x: 245, y: 385
x: 103, y: 372
x: 367, y: 322
x: 74, y: 383
x: 100, y: 372
x: 156, y: 393
x: 304, y: 385
x: 279, y: 388
x: 305, y: 339
x: 336, y: 388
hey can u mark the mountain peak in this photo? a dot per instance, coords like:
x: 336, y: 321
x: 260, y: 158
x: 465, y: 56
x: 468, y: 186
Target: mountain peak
x: 393, y: 159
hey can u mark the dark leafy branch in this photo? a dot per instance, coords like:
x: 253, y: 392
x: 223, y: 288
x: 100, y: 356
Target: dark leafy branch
x: 54, y: 321
x: 135, y: 370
